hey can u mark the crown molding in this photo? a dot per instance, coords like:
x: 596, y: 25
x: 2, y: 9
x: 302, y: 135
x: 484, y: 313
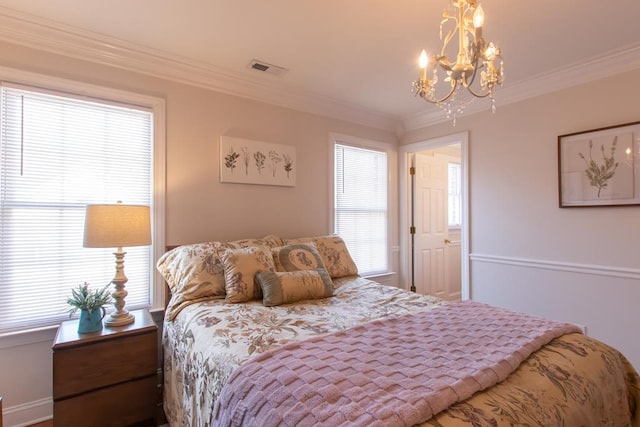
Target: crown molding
x: 616, y: 62
x: 53, y: 37
x: 49, y: 36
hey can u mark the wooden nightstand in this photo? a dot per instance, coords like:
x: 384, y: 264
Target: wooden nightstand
x: 106, y: 378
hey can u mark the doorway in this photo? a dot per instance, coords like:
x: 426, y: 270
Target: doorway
x: 435, y: 256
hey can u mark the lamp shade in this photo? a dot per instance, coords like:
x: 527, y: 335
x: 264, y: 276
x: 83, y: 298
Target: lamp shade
x: 116, y: 226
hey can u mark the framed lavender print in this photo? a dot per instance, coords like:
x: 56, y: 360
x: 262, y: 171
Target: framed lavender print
x: 599, y: 167
x: 244, y: 161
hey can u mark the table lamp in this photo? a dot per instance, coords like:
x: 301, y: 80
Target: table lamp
x: 117, y: 226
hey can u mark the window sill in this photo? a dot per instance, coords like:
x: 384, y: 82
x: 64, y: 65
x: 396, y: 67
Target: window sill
x: 28, y: 336
x: 379, y: 275
x: 48, y: 333
x: 388, y: 278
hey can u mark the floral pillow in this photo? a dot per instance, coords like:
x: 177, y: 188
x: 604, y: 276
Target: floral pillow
x: 240, y: 267
x: 334, y: 253
x: 301, y: 256
x: 292, y: 286
x: 269, y: 241
x: 193, y: 273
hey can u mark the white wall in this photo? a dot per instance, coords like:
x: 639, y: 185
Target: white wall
x: 580, y: 265
x: 198, y: 206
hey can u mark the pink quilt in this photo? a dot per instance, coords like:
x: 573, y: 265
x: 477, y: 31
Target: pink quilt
x: 396, y: 371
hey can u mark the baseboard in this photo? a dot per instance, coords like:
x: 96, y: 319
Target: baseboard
x: 29, y: 413
x: 38, y: 411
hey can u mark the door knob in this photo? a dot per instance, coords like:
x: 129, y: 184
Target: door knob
x: 447, y: 241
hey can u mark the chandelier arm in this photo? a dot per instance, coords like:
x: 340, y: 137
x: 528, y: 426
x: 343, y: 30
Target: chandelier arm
x: 479, y: 95
x: 443, y: 62
x: 473, y: 78
x: 475, y: 72
x: 448, y: 37
x: 461, y: 33
x: 446, y: 97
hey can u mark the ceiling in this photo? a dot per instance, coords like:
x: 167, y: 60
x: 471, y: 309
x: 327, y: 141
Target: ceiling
x: 350, y: 58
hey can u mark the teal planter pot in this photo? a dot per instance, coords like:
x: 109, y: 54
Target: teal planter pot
x: 91, y: 321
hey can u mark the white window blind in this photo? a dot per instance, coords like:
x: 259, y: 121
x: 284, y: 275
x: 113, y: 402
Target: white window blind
x: 455, y: 195
x: 361, y: 207
x: 59, y: 153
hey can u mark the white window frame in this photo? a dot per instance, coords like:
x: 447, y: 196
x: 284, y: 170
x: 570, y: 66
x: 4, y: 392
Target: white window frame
x: 367, y: 144
x: 458, y: 166
x: 158, y: 107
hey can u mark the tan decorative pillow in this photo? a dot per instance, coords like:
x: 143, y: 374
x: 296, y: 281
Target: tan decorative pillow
x: 197, y: 269
x: 240, y: 267
x: 301, y: 256
x: 193, y: 273
x: 334, y: 253
x: 269, y: 241
x: 292, y: 286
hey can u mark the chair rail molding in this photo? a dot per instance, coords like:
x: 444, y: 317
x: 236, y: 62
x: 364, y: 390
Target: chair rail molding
x: 589, y: 269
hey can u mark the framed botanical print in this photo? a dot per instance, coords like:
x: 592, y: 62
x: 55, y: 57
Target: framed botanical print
x: 244, y: 161
x: 599, y: 167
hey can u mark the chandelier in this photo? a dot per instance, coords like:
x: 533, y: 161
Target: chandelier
x: 475, y: 58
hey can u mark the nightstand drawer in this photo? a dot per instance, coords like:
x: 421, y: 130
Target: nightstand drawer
x: 111, y: 361
x: 119, y: 405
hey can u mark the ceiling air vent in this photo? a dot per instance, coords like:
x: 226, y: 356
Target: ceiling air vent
x: 267, y: 68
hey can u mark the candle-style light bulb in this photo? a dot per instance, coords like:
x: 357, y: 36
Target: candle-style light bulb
x: 423, y: 61
x: 478, y: 17
x: 490, y: 52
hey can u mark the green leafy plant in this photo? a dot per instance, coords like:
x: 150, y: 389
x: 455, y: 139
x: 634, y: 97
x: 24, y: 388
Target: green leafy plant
x: 599, y: 175
x: 83, y: 298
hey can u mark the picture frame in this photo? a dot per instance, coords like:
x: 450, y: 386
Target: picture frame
x: 599, y: 167
x: 244, y: 161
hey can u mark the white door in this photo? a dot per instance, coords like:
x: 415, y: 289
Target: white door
x: 432, y: 242
x: 456, y: 146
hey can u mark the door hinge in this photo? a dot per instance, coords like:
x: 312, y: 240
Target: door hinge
x: 412, y: 170
x: 412, y: 230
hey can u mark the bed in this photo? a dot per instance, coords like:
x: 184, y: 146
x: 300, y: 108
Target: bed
x: 275, y: 331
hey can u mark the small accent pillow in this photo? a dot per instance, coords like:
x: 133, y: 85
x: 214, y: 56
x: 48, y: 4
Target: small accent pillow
x: 240, y: 267
x: 334, y: 253
x: 302, y: 256
x: 292, y: 286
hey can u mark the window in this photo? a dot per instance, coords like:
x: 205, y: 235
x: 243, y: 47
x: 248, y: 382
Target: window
x: 58, y: 153
x: 454, y: 177
x: 361, y: 207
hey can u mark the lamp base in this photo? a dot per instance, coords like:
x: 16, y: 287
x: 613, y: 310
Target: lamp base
x: 119, y: 319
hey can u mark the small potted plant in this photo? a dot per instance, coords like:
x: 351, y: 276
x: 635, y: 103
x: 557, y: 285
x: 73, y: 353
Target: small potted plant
x: 91, y: 304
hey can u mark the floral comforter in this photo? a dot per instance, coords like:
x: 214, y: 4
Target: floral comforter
x: 574, y: 380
